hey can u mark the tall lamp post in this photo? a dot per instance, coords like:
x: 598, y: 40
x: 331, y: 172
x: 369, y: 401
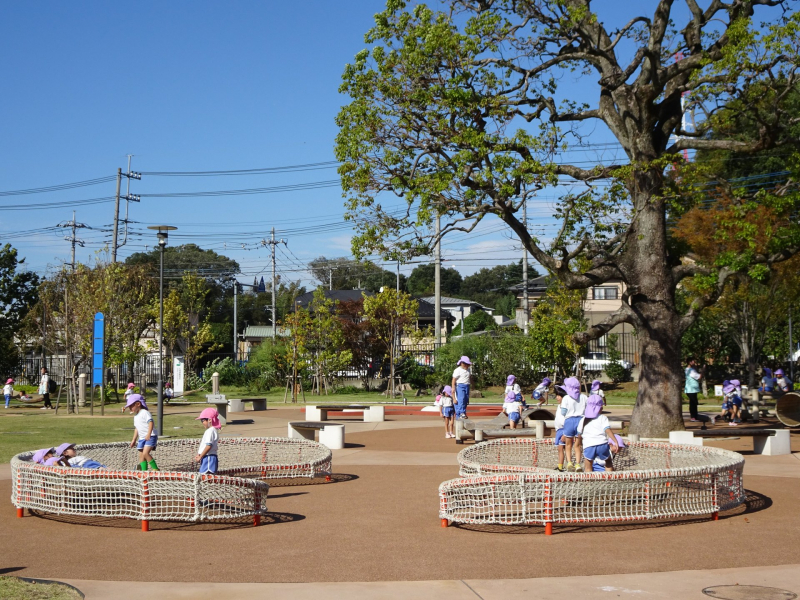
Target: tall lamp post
x: 162, y: 233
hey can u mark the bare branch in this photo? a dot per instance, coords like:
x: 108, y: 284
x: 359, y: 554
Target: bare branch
x: 623, y: 314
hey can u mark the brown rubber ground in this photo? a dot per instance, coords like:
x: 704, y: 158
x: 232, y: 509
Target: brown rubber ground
x: 381, y: 523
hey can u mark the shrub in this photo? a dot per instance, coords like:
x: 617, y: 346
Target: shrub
x: 411, y: 372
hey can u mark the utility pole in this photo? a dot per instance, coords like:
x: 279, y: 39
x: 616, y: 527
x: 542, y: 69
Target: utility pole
x: 128, y: 198
x: 330, y: 279
x: 525, y: 310
x: 72, y: 239
x: 272, y: 242
x: 235, y: 329
x: 397, y: 289
x: 791, y: 348
x: 438, y: 283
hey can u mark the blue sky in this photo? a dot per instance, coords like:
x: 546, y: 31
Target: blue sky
x: 188, y: 87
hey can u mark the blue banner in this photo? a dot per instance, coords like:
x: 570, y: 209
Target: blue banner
x: 98, y: 349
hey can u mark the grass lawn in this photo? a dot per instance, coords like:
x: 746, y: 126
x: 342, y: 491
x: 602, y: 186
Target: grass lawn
x: 31, y: 430
x: 11, y: 587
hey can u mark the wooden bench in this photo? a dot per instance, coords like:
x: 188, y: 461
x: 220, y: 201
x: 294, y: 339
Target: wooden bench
x: 372, y: 413
x: 330, y: 434
x: 237, y: 404
x: 772, y: 442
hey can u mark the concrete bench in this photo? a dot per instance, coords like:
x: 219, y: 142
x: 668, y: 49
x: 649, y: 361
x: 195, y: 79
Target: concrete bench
x: 536, y: 431
x: 372, y: 413
x: 221, y: 403
x: 237, y: 404
x: 772, y: 442
x: 330, y: 434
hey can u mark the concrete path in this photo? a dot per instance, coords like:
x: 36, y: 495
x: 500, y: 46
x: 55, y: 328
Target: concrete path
x: 686, y: 585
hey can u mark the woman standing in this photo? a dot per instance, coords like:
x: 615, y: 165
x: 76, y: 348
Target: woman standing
x: 692, y: 387
x: 44, y: 389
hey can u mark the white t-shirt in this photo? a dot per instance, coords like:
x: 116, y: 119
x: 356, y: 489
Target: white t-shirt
x: 559, y: 414
x: 44, y: 384
x: 600, y: 393
x: 461, y: 375
x: 445, y: 400
x: 783, y: 383
x: 78, y: 461
x: 210, y: 438
x: 593, y: 431
x: 141, y: 421
x: 128, y: 392
x: 513, y: 388
x: 575, y: 408
x: 8, y: 389
x: 512, y: 407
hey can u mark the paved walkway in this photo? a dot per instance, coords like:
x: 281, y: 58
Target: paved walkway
x: 686, y: 585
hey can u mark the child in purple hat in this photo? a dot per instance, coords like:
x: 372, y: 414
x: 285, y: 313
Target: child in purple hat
x: 731, y: 403
x: 512, y: 386
x: 513, y: 408
x: 145, y: 438
x: 69, y: 452
x: 597, y: 388
x: 460, y: 383
x: 782, y: 382
x: 572, y: 407
x: 445, y: 403
x: 40, y: 456
x: 599, y: 440
x: 541, y: 392
x: 560, y: 392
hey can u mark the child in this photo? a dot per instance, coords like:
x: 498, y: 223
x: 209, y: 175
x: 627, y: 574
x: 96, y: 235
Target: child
x: 56, y: 461
x: 782, y: 383
x: 598, y: 438
x: 540, y: 393
x: 731, y: 403
x: 513, y: 408
x: 23, y: 397
x: 598, y: 390
x: 460, y: 384
x: 511, y: 386
x: 767, y: 382
x: 168, y: 392
x: 445, y: 403
x: 572, y: 407
x: 559, y: 424
x: 8, y: 391
x: 207, y: 452
x: 145, y: 438
x: 40, y: 456
x: 84, y: 462
x: 128, y: 393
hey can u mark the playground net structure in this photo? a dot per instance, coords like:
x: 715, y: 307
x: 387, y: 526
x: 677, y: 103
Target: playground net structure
x: 175, y: 493
x: 513, y: 482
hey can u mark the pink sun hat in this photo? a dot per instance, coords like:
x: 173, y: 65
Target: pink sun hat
x: 131, y: 386
x: 10, y: 380
x: 212, y: 415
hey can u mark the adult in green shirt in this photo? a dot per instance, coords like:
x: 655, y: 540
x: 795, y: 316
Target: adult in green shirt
x: 692, y: 387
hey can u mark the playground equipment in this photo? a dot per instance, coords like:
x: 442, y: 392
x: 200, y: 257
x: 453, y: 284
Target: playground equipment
x: 512, y: 482
x: 787, y: 409
x: 175, y: 493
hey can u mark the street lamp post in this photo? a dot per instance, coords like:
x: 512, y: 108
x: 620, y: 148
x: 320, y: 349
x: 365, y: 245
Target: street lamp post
x: 162, y: 235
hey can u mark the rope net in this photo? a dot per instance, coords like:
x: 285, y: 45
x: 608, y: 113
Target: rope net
x: 175, y: 493
x: 513, y: 482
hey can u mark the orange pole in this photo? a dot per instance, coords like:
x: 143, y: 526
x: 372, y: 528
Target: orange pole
x: 445, y: 522
x: 256, y: 520
x: 715, y: 516
x: 145, y: 525
x: 328, y: 478
x: 548, y: 529
x: 20, y: 513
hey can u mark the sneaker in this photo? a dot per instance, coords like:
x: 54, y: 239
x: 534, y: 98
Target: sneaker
x: 734, y: 423
x: 560, y: 469
x: 578, y: 468
x: 447, y: 436
x: 43, y: 408
x: 693, y: 420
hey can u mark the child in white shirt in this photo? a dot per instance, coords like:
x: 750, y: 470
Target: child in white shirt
x: 445, y: 403
x: 541, y: 392
x: 782, y: 382
x: 513, y: 408
x: 512, y: 386
x: 598, y: 438
x: 598, y: 390
x: 8, y: 391
x: 559, y: 424
x: 572, y: 407
x: 145, y: 438
x: 207, y: 451
x: 460, y: 383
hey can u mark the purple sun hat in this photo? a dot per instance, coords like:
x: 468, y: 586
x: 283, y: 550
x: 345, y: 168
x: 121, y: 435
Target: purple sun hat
x: 736, y: 383
x: 573, y: 387
x: 778, y: 372
x: 63, y: 447
x: 546, y: 381
x: 511, y: 397
x: 596, y: 385
x: 464, y: 359
x: 511, y: 379
x: 38, y: 456
x: 133, y: 399
x: 620, y: 441
x: 727, y: 387
x: 447, y: 390
x: 594, y: 406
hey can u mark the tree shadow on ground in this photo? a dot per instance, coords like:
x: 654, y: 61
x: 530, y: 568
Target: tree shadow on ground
x: 271, y: 518
x: 5, y: 570
x: 335, y: 478
x: 754, y: 502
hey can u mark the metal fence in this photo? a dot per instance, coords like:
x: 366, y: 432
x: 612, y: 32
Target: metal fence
x: 627, y: 344
x: 29, y: 370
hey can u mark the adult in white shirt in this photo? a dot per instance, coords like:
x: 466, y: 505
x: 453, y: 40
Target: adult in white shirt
x: 460, y: 383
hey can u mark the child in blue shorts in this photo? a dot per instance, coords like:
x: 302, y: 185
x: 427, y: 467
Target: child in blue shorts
x: 68, y: 452
x: 145, y: 438
x: 572, y: 407
x: 731, y: 403
x: 559, y: 424
x: 448, y: 411
x: 207, y: 452
x: 540, y: 393
x: 598, y: 438
x: 513, y: 408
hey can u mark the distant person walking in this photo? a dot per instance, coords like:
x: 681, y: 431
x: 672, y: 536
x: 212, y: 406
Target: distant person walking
x: 460, y: 383
x: 692, y: 387
x: 44, y: 389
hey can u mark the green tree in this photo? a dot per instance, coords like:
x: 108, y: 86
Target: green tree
x: 457, y: 112
x: 477, y: 321
x: 422, y: 279
x: 553, y: 323
x: 390, y: 314
x: 18, y: 293
x: 490, y: 286
x: 614, y: 369
x: 350, y: 274
x: 187, y: 257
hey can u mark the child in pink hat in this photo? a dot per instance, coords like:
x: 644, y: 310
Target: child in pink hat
x: 598, y: 438
x: 207, y: 452
x: 8, y: 390
x: 128, y: 392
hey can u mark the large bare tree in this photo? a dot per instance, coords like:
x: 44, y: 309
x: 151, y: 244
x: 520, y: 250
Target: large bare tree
x: 461, y: 113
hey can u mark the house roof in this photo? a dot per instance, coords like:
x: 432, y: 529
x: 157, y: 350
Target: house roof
x: 428, y: 310
x: 265, y: 331
x: 450, y: 300
x: 537, y: 284
x: 338, y: 295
